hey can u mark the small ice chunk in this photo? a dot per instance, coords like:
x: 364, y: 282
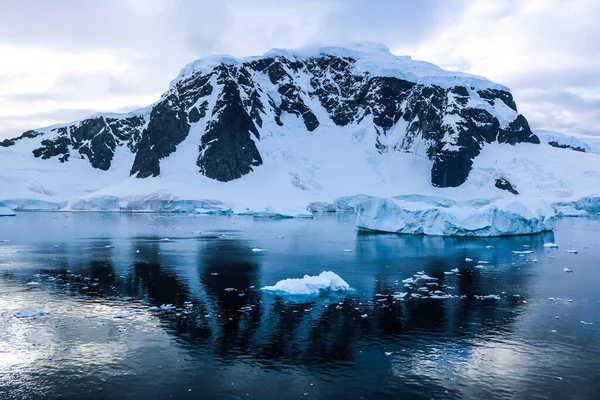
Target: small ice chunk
x: 28, y: 314
x: 229, y: 289
x: 124, y: 314
x: 455, y: 270
x: 483, y: 262
x: 32, y: 283
x: 399, y: 295
x: 364, y: 316
x: 108, y: 246
x: 167, y: 307
x: 325, y: 281
x: 572, y: 251
x: 586, y: 323
x: 214, y: 273
x: 489, y: 247
x: 522, y: 252
x: 558, y: 378
x: 257, y: 250
x: 488, y: 297
x: 567, y: 270
x: 468, y: 259
x: 388, y: 353
x: 551, y: 245
x: 137, y: 251
x: 347, y: 250
x: 165, y: 239
x: 90, y: 316
x: 122, y: 329
x: 448, y: 272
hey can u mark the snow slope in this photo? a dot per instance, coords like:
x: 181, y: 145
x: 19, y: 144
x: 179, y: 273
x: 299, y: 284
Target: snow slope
x: 583, y: 143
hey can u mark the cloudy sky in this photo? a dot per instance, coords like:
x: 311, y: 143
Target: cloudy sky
x: 62, y: 60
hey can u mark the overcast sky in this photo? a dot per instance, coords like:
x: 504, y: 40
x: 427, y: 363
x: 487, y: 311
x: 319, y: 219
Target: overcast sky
x: 62, y: 60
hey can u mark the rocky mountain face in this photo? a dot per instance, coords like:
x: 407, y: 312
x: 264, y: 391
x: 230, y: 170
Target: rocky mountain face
x: 232, y: 104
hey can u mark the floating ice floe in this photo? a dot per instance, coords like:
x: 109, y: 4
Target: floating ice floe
x: 399, y: 295
x: 586, y: 323
x: 522, y: 252
x: 364, y: 316
x: 551, y: 245
x: 6, y: 212
x: 125, y: 314
x: 572, y: 251
x: 491, y: 218
x: 489, y: 247
x: 455, y: 270
x: 468, y: 259
x: 257, y: 250
x: 488, y: 297
x: 567, y: 270
x: 326, y: 281
x: 32, y: 283
x: 483, y: 262
x: 28, y: 314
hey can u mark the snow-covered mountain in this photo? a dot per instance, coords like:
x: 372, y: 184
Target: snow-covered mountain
x: 279, y: 132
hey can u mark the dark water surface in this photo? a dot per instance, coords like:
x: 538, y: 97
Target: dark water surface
x: 246, y: 343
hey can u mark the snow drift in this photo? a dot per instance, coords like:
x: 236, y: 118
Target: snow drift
x: 471, y: 218
x: 326, y: 281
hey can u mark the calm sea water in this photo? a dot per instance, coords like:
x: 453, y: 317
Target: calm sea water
x: 539, y: 340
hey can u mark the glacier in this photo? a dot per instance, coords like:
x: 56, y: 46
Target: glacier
x: 501, y: 217
x: 326, y: 281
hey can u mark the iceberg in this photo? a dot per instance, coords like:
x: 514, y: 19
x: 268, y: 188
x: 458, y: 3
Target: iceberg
x: 500, y: 217
x: 5, y: 211
x: 29, y: 314
x: 324, y: 282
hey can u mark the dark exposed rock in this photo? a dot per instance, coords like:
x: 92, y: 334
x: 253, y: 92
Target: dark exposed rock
x: 95, y: 139
x: 504, y: 184
x: 25, y: 135
x: 566, y: 146
x: 493, y: 95
x: 167, y: 128
x: 55, y: 147
x: 227, y: 151
x: 197, y: 113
